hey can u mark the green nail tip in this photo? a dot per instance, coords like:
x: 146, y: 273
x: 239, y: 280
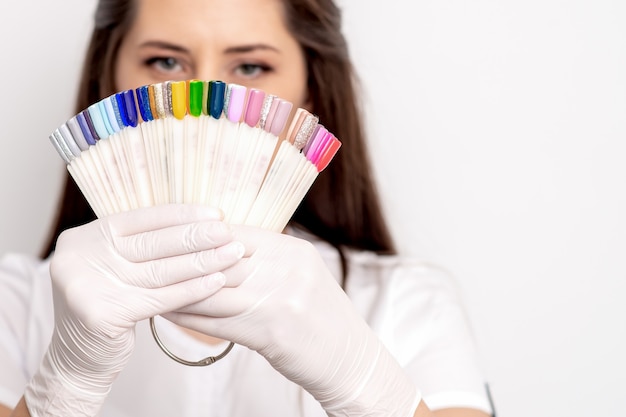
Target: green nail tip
x: 195, y: 97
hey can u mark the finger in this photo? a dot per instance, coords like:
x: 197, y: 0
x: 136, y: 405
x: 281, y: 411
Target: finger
x: 201, y: 324
x: 173, y: 241
x: 167, y: 271
x: 160, y: 301
x: 239, y: 272
x: 228, y: 302
x: 252, y: 237
x: 159, y: 217
x: 255, y: 238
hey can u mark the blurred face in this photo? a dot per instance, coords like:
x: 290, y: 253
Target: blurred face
x: 236, y: 41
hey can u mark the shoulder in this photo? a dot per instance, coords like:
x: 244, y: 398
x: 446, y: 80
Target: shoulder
x: 26, y: 294
x: 396, y: 277
x: 26, y: 289
x: 398, y: 295
x: 399, y: 273
x: 401, y: 296
x: 26, y: 320
x: 405, y: 285
x: 416, y: 308
x: 23, y: 272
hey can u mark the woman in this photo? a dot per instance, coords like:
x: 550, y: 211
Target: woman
x: 302, y: 346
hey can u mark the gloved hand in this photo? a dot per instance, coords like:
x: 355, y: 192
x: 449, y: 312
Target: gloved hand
x: 109, y: 274
x: 282, y: 301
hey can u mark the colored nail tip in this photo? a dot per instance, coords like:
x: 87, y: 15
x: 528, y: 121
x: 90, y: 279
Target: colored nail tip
x: 90, y: 127
x: 265, y: 110
x: 306, y: 130
x: 167, y: 98
x: 320, y: 131
x: 150, y: 102
x: 253, y: 108
x: 160, y: 101
x: 295, y: 125
x: 281, y: 117
x: 105, y: 119
x: 328, y: 154
x: 58, y: 139
x: 195, y: 97
x: 97, y: 123
x: 325, y: 144
x: 119, y: 99
x: 67, y: 137
x: 217, y: 91
x: 179, y: 99
x: 227, y: 98
x: 84, y: 127
x: 59, y: 149
x: 143, y: 102
x: 77, y: 133
x: 129, y: 104
x: 112, y: 103
x: 205, y: 98
x: 315, y: 132
x: 69, y: 148
x: 236, y: 102
x: 313, y: 153
x: 268, y: 119
x: 187, y: 97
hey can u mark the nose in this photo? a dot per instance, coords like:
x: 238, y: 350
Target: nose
x: 210, y: 69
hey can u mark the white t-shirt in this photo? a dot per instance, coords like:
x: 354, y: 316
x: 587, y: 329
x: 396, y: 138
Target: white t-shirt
x: 412, y: 306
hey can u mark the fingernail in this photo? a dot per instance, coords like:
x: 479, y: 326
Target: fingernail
x: 237, y: 249
x: 213, y: 213
x: 215, y: 281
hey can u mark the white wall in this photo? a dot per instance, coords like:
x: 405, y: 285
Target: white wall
x: 41, y: 45
x: 498, y: 130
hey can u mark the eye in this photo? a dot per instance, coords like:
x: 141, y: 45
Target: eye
x: 249, y: 70
x: 164, y: 64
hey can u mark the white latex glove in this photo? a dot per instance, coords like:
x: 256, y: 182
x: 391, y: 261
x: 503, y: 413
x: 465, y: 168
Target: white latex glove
x: 109, y: 274
x: 281, y: 301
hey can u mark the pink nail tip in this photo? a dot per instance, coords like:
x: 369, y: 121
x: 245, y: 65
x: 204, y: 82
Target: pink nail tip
x: 253, y: 109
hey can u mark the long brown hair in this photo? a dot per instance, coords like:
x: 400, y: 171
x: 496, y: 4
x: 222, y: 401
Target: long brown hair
x: 342, y: 207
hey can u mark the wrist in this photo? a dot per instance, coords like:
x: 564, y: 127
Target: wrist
x: 50, y: 393
x: 89, y: 364
x: 383, y: 389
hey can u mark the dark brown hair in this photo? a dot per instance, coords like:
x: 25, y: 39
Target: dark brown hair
x: 342, y: 207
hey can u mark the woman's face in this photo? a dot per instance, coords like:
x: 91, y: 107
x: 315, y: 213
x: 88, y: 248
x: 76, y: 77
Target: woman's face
x: 236, y: 41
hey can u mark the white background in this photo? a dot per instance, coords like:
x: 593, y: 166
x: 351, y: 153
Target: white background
x: 498, y: 130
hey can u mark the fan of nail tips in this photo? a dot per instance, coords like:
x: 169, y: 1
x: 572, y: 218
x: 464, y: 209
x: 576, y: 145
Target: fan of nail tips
x: 198, y: 142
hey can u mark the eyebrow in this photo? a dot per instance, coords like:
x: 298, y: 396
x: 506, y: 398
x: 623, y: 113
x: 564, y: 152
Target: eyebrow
x: 249, y: 48
x: 163, y: 45
x: 230, y: 50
